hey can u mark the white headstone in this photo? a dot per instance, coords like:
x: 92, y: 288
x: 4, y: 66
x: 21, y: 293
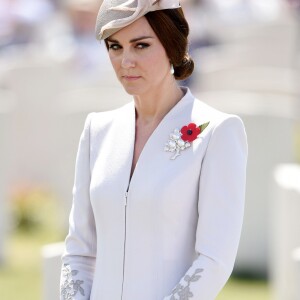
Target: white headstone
x: 284, y: 238
x: 34, y: 123
x: 51, y: 255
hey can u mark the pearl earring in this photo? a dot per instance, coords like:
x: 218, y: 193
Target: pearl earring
x: 172, y: 69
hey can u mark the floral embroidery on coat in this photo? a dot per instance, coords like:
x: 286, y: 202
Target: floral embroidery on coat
x: 183, y: 291
x: 69, y: 288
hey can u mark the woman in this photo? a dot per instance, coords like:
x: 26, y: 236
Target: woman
x: 159, y: 184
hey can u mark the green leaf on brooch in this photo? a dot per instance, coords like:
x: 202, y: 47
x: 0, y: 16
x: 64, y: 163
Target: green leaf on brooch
x: 203, y: 126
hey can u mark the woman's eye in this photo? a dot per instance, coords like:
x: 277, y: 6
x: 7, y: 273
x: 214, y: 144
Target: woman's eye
x: 142, y: 45
x: 114, y: 47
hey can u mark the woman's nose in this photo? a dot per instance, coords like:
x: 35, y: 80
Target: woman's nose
x: 128, y: 61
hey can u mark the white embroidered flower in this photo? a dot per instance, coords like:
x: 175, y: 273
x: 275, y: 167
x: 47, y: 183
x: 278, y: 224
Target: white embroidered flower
x: 69, y: 288
x: 183, y: 291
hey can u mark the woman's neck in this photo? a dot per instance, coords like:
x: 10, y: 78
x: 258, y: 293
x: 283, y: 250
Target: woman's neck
x: 152, y: 107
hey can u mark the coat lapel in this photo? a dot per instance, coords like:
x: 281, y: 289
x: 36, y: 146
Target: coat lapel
x: 153, y: 153
x: 122, y: 140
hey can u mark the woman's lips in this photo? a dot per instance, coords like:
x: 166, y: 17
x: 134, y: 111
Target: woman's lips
x: 131, y: 78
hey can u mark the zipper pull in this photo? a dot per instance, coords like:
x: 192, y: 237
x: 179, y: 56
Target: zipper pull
x: 126, y: 195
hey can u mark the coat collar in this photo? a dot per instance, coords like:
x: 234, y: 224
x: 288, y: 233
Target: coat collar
x: 124, y: 129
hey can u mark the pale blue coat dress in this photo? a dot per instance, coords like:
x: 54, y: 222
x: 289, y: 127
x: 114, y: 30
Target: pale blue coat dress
x: 172, y: 231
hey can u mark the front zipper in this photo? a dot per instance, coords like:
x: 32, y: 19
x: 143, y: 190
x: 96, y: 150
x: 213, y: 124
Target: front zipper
x: 125, y: 205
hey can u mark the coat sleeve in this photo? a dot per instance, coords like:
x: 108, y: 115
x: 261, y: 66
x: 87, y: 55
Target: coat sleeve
x: 80, y: 246
x: 220, y: 213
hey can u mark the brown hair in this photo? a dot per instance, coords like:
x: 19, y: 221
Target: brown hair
x: 172, y: 29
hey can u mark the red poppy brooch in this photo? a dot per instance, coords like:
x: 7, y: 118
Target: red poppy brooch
x: 182, y: 139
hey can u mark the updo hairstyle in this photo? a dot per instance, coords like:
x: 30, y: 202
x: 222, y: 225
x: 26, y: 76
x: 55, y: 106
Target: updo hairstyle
x: 172, y: 29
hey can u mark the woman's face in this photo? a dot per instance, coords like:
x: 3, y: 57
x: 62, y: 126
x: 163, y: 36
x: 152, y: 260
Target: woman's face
x: 138, y: 58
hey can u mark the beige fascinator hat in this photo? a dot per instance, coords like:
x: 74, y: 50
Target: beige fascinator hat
x: 113, y: 15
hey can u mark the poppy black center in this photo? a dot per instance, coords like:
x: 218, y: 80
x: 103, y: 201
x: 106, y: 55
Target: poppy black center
x: 189, y: 132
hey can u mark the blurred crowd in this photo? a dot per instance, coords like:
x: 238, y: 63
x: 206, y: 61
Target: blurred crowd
x: 41, y: 21
x: 58, y: 31
x: 64, y: 30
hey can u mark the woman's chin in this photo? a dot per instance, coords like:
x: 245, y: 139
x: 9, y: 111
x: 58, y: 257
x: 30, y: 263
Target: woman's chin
x: 133, y: 91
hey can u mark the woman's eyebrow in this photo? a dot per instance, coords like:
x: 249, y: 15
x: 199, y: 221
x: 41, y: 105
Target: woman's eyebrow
x: 112, y: 41
x: 132, y: 40
x: 141, y: 38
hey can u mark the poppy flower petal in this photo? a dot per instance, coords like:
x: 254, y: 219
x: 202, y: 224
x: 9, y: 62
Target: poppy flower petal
x: 184, y: 129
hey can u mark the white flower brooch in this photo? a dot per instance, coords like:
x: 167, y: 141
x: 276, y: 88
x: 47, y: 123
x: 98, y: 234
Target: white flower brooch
x: 182, y: 139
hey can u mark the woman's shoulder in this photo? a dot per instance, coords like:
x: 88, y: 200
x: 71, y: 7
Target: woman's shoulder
x: 103, y: 119
x: 224, y: 131
x: 223, y: 127
x: 202, y: 112
x: 216, y: 117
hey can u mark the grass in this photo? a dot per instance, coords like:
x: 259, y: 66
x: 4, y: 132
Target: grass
x: 36, y: 212
x: 20, y: 277
x: 245, y: 289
